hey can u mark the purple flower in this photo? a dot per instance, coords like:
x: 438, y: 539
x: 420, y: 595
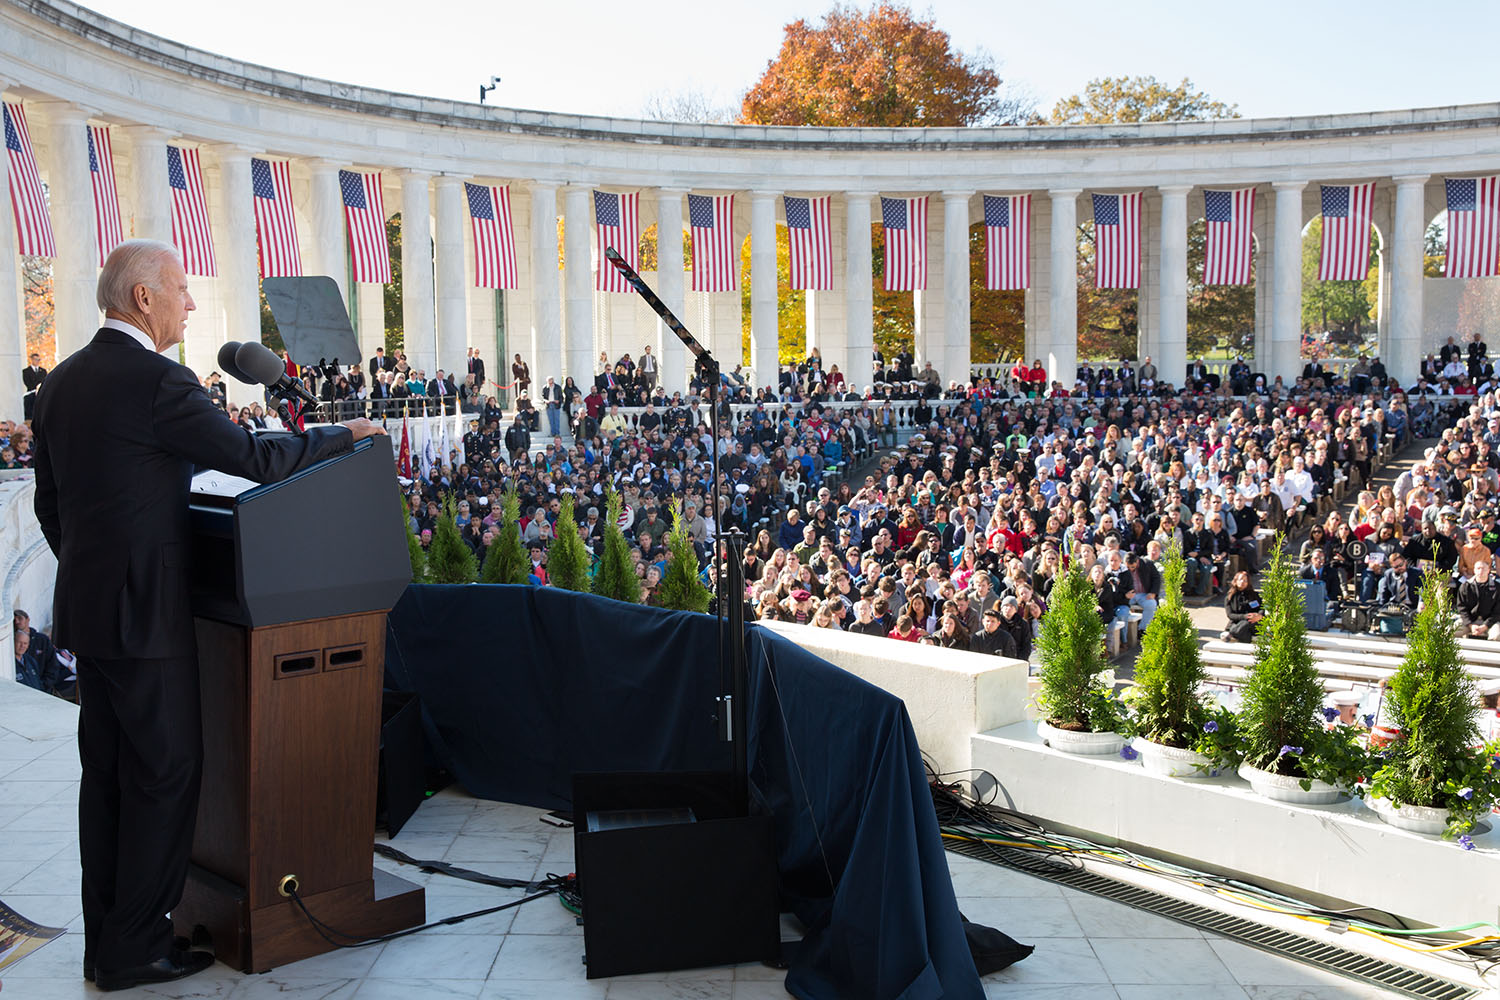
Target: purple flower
x: 1330, y: 713
x: 1466, y: 793
x: 1129, y: 752
x: 1289, y: 749
x: 1466, y: 842
x: 1369, y: 719
x: 1210, y: 726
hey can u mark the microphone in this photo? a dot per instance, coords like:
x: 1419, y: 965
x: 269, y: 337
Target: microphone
x: 263, y: 366
x: 227, y: 362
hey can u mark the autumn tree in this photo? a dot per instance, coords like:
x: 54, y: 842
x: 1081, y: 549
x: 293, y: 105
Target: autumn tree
x: 1110, y: 99
x: 881, y: 67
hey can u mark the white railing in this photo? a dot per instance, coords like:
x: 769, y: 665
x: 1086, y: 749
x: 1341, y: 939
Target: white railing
x: 1218, y: 366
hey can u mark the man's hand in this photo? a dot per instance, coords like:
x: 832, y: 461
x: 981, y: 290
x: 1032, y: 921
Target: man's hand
x: 362, y: 427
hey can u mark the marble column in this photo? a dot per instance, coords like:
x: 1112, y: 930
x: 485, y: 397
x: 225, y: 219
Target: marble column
x: 417, y: 300
x: 1061, y: 358
x: 1286, y: 291
x: 578, y: 282
x: 12, y: 314
x: 452, y: 298
x: 764, y: 328
x: 150, y: 195
x: 1039, y: 295
x: 1405, y: 352
x: 955, y: 359
x: 859, y: 291
x: 670, y: 281
x: 546, y: 302
x: 329, y: 254
x: 239, y: 275
x: 75, y: 269
x: 1172, y: 284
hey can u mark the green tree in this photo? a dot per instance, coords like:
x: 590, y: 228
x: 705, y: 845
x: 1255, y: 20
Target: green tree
x: 414, y: 550
x: 615, y: 576
x: 1073, y: 693
x: 395, y: 326
x: 1109, y: 319
x: 1281, y: 714
x: 1169, y: 670
x: 1341, y: 309
x: 567, y: 559
x: 506, y: 561
x: 1138, y: 99
x: 680, y: 589
x: 448, y: 558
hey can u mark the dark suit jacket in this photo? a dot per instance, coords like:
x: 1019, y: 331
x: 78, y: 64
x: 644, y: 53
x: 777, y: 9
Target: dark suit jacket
x: 119, y: 430
x: 31, y: 379
x: 380, y: 364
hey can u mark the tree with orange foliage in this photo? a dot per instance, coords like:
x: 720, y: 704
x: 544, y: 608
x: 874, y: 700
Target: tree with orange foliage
x: 884, y: 68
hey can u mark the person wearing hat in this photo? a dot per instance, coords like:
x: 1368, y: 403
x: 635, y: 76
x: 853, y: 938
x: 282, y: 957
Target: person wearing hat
x: 798, y: 607
x: 1015, y: 623
x: 992, y: 639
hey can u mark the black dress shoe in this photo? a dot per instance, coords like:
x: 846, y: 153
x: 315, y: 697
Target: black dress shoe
x: 180, y: 943
x: 177, y: 965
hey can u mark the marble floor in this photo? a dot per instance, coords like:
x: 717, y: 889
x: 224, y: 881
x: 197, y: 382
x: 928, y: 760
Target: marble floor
x: 1087, y: 948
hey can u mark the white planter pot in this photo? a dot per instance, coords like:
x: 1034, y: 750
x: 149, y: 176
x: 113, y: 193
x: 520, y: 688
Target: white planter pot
x: 1417, y: 819
x: 1281, y: 788
x: 1171, y: 762
x: 1090, y: 744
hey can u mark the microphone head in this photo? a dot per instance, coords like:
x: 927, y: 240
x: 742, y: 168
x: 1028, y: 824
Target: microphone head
x: 260, y: 363
x: 226, y: 362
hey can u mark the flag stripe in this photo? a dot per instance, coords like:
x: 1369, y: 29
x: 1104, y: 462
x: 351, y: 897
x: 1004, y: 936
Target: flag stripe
x: 1229, y: 230
x: 1346, y: 231
x: 190, y: 228
x: 364, y: 212
x: 1007, y: 242
x: 1473, y: 227
x: 1117, y: 240
x: 715, y: 264
x: 905, y: 224
x: 810, y: 242
x: 108, y: 233
x: 27, y: 200
x: 618, y: 224
x: 494, y: 239
x: 275, y: 221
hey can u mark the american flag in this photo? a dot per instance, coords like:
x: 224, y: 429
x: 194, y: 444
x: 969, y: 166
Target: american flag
x: 1229, y: 223
x: 107, y: 231
x: 1117, y: 240
x: 905, y: 222
x: 1007, y: 242
x: 27, y: 199
x: 715, y: 263
x: 494, y: 240
x: 810, y: 240
x: 1346, y: 231
x: 1473, y: 227
x: 618, y: 221
x: 190, y: 212
x: 275, y: 223
x: 364, y: 210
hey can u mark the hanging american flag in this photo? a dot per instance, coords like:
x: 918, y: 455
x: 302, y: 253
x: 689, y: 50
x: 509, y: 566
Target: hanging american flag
x: 1007, y: 242
x: 190, y: 229
x: 494, y: 241
x: 1229, y: 224
x: 810, y: 240
x: 27, y: 200
x: 715, y: 263
x: 617, y: 219
x: 905, y: 222
x: 364, y: 211
x: 1473, y: 227
x: 1346, y: 231
x: 1117, y: 240
x: 107, y: 231
x: 275, y: 223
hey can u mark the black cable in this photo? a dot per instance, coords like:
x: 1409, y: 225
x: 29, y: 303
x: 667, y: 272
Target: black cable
x: 331, y: 935
x: 453, y: 871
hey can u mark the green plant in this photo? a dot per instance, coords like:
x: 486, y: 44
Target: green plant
x: 506, y: 561
x: 567, y: 559
x: 414, y: 550
x: 680, y: 589
x: 1074, y: 694
x: 448, y: 558
x: 1218, y: 739
x: 615, y: 576
x: 1283, y: 699
x: 1436, y: 762
x: 1165, y: 701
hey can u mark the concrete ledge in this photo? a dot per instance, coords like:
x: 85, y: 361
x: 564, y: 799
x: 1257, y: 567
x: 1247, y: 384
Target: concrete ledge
x: 1340, y: 854
x: 950, y: 696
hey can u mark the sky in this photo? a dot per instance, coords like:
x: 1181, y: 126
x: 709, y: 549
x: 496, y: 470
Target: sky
x: 1270, y: 58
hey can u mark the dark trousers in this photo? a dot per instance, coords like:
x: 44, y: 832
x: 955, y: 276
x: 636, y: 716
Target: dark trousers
x: 140, y: 737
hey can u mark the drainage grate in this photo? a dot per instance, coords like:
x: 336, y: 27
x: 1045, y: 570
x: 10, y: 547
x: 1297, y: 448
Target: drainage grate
x: 1341, y: 961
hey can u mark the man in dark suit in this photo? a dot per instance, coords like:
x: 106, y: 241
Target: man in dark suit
x: 31, y: 378
x: 444, y: 392
x: 118, y: 434
x: 380, y: 363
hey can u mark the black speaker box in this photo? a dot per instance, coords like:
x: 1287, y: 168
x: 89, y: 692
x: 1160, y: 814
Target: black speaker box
x: 401, y: 788
x: 671, y: 877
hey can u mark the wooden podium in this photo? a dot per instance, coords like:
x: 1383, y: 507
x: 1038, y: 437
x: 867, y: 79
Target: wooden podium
x: 292, y: 582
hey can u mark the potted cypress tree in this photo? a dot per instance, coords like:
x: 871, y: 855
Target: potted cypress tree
x: 448, y: 558
x: 1078, y: 708
x: 680, y: 588
x: 1168, y: 715
x: 414, y: 550
x: 615, y: 576
x: 1437, y: 777
x: 1288, y: 754
x: 506, y: 561
x: 567, y: 559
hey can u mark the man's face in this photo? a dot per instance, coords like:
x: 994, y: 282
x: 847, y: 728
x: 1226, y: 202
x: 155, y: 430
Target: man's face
x: 166, y: 307
x: 1398, y: 564
x: 23, y: 642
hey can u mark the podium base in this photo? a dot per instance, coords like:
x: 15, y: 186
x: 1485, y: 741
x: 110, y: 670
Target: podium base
x: 262, y: 939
